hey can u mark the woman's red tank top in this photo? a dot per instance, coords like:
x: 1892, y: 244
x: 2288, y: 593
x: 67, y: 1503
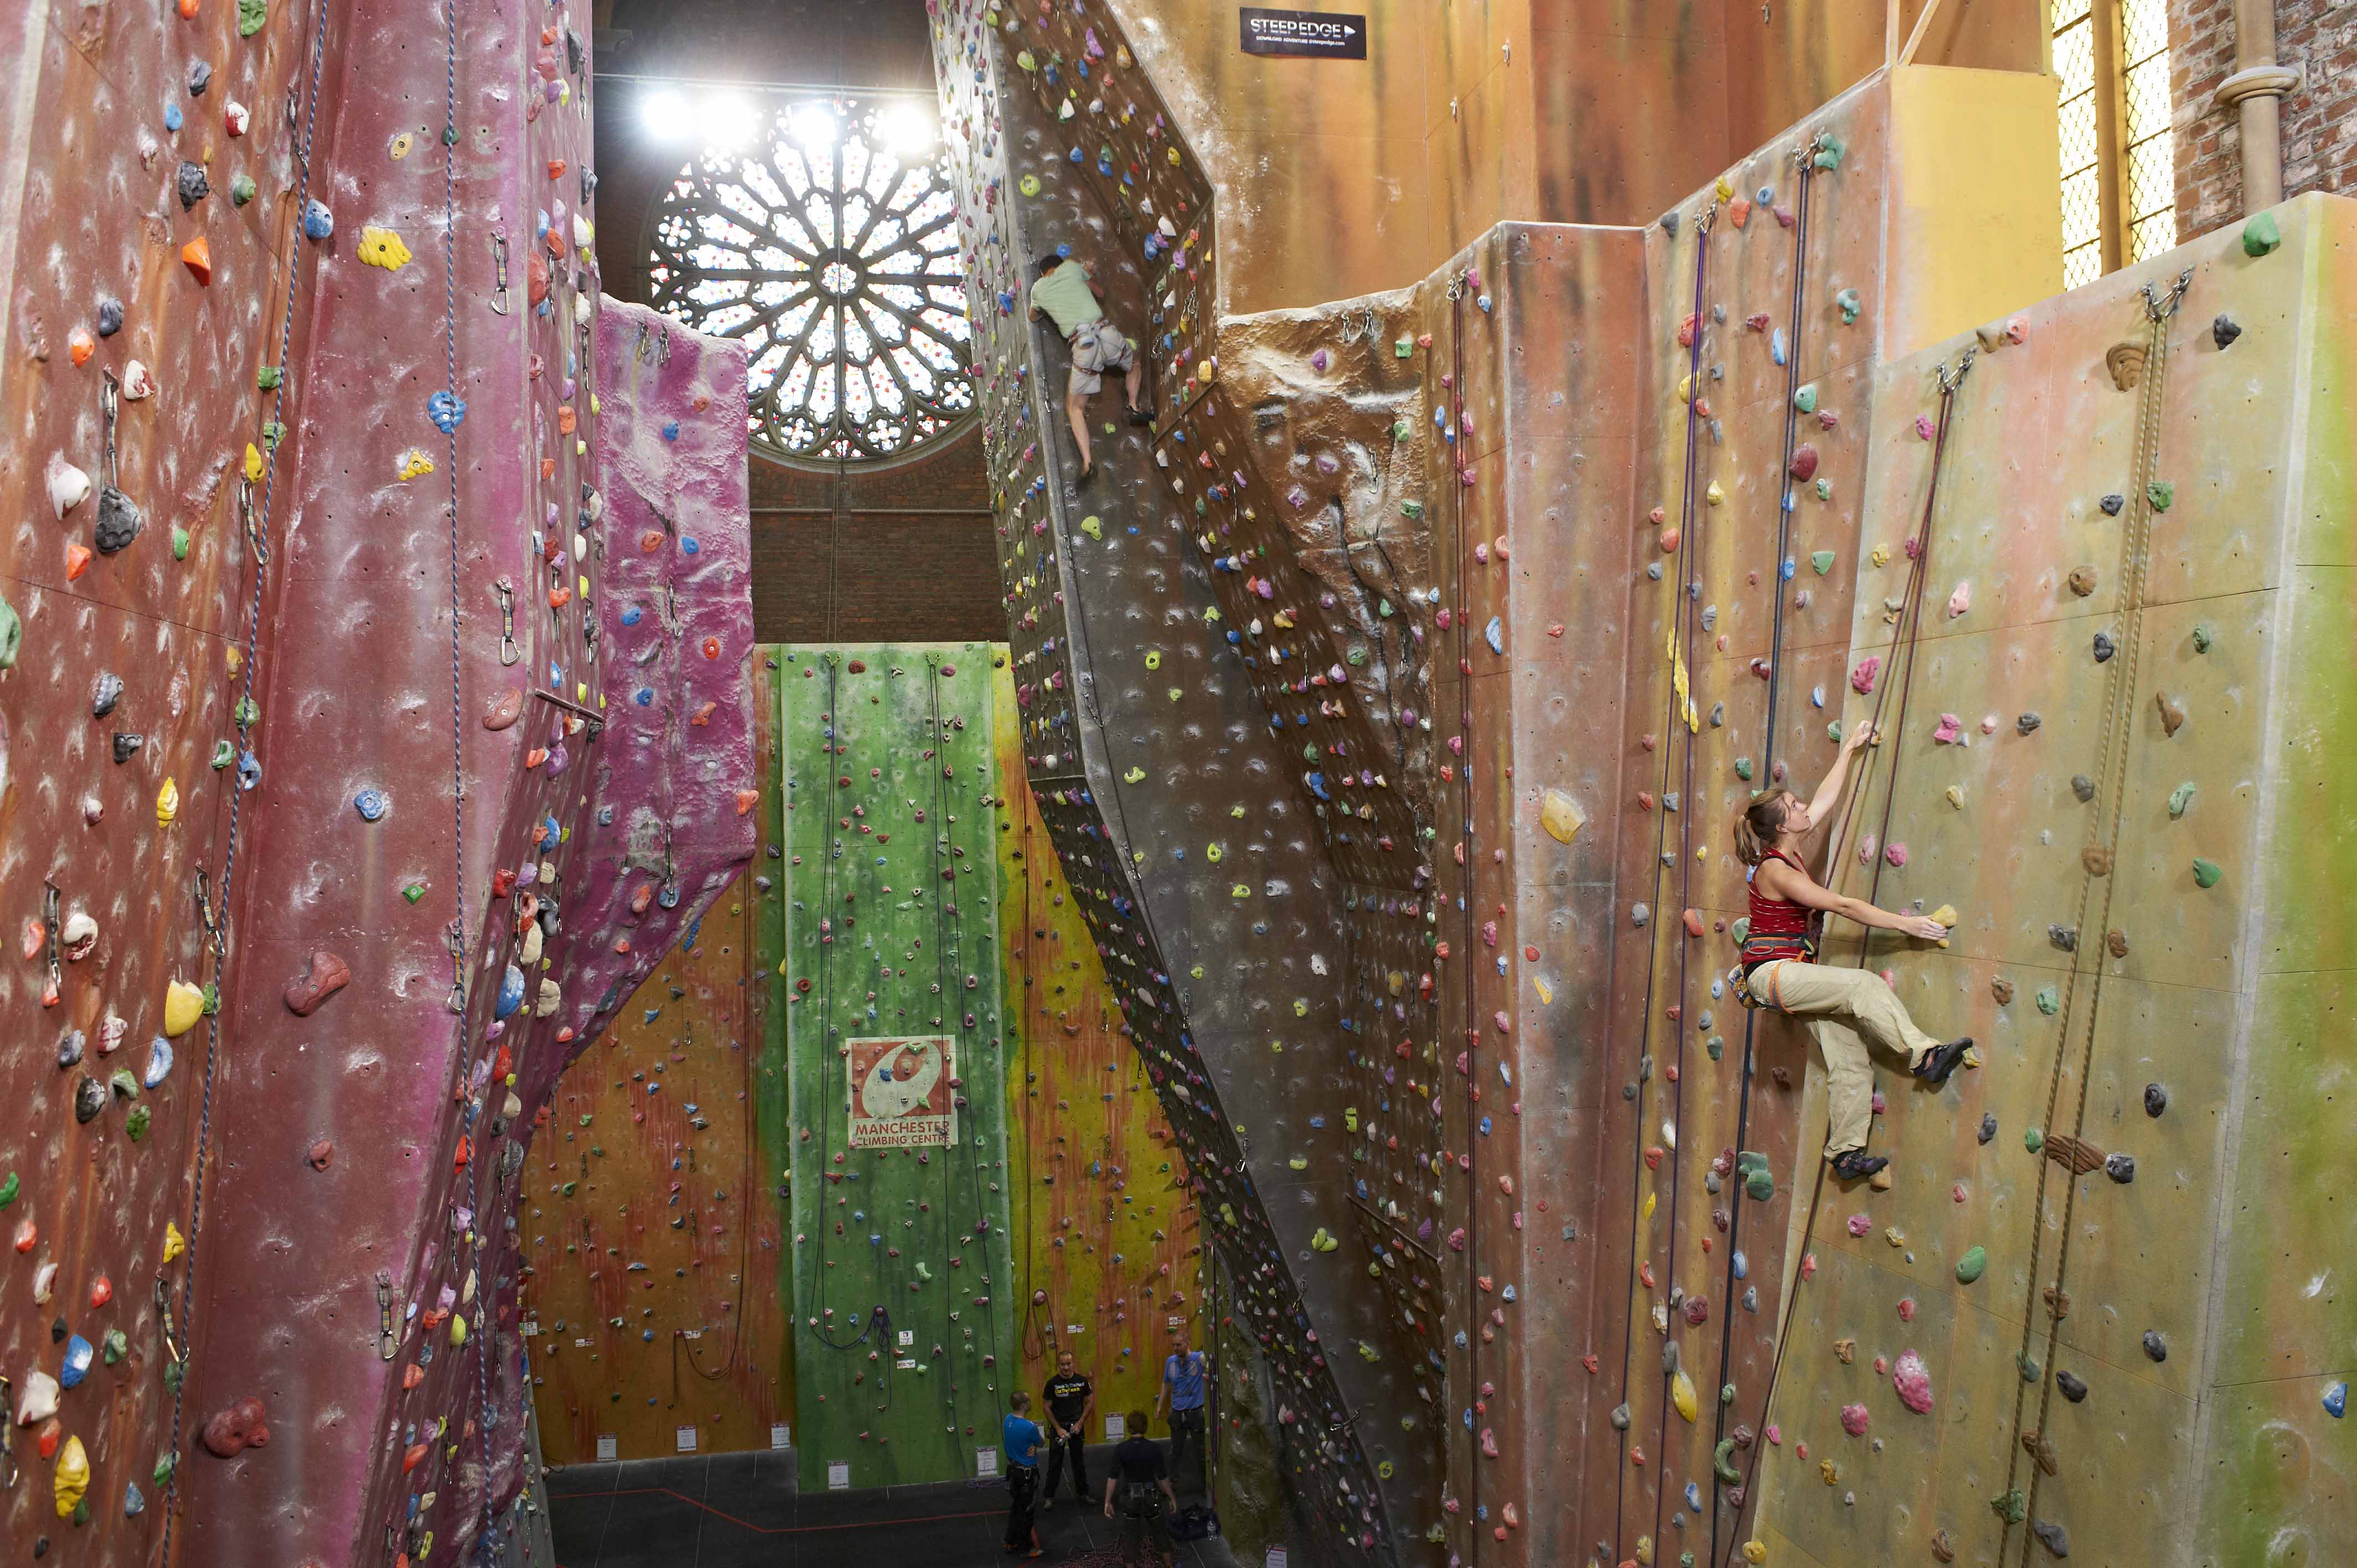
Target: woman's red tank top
x: 1779, y: 929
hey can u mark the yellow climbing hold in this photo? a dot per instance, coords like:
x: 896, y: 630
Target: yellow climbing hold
x: 1153, y: 659
x: 252, y: 463
x: 174, y: 1242
x: 1755, y: 1551
x: 1546, y: 995
x: 183, y: 1006
x: 1947, y: 914
x: 73, y: 1477
x: 382, y: 248
x: 1725, y: 192
x: 1649, y: 1205
x: 458, y: 1329
x: 1206, y: 370
x: 1093, y: 526
x: 1212, y: 852
x: 1714, y: 495
x: 167, y: 803
x: 1322, y: 1241
x: 1560, y: 816
x: 414, y: 464
x: 1240, y: 891
x: 1133, y: 775
x: 1682, y: 1394
x: 1881, y: 555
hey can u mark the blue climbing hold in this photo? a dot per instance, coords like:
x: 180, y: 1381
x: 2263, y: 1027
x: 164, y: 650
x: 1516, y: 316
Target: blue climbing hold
x: 644, y: 696
x: 688, y: 546
x: 671, y: 429
x: 249, y: 771
x: 159, y: 1062
x: 446, y: 409
x: 2336, y: 1401
x: 171, y: 116
x: 133, y: 1504
x: 632, y: 615
x: 78, y: 1356
x: 1494, y: 635
x: 510, y: 993
x: 372, y: 804
x: 319, y: 223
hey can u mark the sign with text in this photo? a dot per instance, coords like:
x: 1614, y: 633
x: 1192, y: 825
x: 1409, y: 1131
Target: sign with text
x: 1319, y: 34
x: 900, y: 1096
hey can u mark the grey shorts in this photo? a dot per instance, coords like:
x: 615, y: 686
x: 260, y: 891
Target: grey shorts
x: 1097, y: 346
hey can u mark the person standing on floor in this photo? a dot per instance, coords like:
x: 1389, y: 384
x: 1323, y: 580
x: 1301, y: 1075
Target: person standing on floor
x: 1845, y: 1007
x: 1138, y: 1494
x: 1019, y: 1436
x: 1070, y: 1396
x: 1184, y: 1375
x: 1062, y: 293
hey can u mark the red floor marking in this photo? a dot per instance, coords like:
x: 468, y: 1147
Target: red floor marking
x: 780, y: 1530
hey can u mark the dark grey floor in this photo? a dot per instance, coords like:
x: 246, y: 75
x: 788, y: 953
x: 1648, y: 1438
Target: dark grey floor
x: 733, y: 1511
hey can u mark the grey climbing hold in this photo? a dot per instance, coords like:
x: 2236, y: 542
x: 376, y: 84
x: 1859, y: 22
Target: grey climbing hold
x: 2052, y: 1537
x: 2121, y: 1168
x: 2063, y: 937
x: 2074, y: 1388
x: 118, y: 521
x: 110, y: 316
x: 2155, y: 1346
x: 2105, y: 647
x: 70, y: 1046
x: 193, y: 186
x: 2223, y: 331
x: 12, y: 635
x: 2112, y: 504
x: 1669, y: 227
x: 89, y: 1099
x: 1620, y: 1418
x: 126, y: 745
x: 2155, y: 1100
x: 1988, y: 1126
x: 2083, y: 787
x: 108, y: 693
x: 1639, y: 913
x: 2028, y: 722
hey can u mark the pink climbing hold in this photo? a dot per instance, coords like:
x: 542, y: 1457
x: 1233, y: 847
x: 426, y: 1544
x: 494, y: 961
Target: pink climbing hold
x: 1895, y: 853
x: 1912, y: 1379
x: 1859, y: 1225
x: 1861, y: 680
x: 1923, y: 426
x: 1961, y: 600
x: 1949, y: 729
x: 1854, y: 1419
x: 1907, y: 1309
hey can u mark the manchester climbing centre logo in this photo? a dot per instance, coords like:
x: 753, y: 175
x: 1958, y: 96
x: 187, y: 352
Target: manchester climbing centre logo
x: 900, y: 1096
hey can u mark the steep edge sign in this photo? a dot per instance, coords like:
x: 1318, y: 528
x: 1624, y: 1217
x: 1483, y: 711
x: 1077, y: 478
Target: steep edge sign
x: 1321, y: 35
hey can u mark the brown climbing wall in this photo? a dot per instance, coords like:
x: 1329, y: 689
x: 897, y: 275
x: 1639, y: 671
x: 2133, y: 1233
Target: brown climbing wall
x: 123, y: 668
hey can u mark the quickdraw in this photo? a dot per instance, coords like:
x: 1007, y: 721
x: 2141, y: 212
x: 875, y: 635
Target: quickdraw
x: 260, y: 546
x: 51, y: 900
x: 499, y: 305
x: 388, y: 1342
x: 175, y: 1346
x: 504, y: 590
x: 203, y: 890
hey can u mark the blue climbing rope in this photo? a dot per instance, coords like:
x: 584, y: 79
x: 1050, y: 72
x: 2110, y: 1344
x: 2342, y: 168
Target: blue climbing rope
x: 241, y: 715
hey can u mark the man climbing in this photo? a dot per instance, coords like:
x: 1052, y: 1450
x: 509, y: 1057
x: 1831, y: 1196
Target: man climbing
x: 1139, y: 1489
x: 1062, y: 292
x: 1182, y: 1393
x: 1019, y: 1436
x: 1845, y: 1007
x: 1070, y: 1396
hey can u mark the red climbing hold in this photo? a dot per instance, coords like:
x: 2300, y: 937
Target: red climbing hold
x: 1805, y: 463
x: 327, y: 976
x: 242, y: 1425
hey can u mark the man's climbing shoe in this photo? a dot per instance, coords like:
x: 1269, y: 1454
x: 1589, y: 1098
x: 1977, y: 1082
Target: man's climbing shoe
x: 1086, y: 474
x: 1935, y: 1068
x: 1141, y: 416
x: 1852, y: 1163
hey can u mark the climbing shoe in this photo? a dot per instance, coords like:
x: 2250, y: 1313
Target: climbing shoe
x: 1934, y: 1068
x: 1086, y: 475
x: 1852, y: 1163
x: 1141, y: 416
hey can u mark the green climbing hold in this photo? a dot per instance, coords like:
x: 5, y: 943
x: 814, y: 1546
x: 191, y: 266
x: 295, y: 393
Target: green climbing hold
x: 1722, y: 1463
x: 12, y: 635
x: 1805, y: 399
x: 2180, y: 798
x: 1833, y: 731
x: 1093, y: 526
x: 413, y: 892
x: 1400, y: 429
x: 269, y: 376
x: 8, y: 1189
x: 116, y: 1345
x: 2012, y: 1508
x: 2049, y: 1001
x: 2160, y: 493
x: 179, y: 543
x: 1411, y: 510
x: 1824, y: 490
x: 2033, y: 1139
x: 1971, y: 1265
x: 2260, y: 235
x: 2207, y: 872
x: 1402, y: 347
x: 1830, y: 149
x: 1715, y: 1045
x: 250, y: 15
x: 2202, y: 637
x: 223, y: 755
x: 1823, y: 561
x: 241, y: 189
x: 135, y: 1127
x: 165, y: 1467
x: 1743, y: 767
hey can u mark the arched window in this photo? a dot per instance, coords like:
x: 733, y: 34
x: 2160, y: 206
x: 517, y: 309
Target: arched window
x: 2119, y: 173
x: 825, y: 241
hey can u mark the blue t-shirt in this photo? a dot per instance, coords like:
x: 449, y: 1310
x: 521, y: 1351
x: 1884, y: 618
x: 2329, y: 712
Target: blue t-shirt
x: 1020, y: 1437
x: 1185, y: 1381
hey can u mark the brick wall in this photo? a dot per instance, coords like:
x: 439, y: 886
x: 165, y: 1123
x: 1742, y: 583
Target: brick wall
x: 2319, y: 121
x: 868, y: 554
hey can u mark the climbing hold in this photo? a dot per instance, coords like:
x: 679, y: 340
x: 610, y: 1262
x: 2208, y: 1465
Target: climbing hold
x: 2125, y: 361
x: 1975, y: 1262
x: 2261, y: 235
x: 68, y: 485
x: 382, y: 248
x: 2027, y: 723
x: 1560, y: 816
x: 72, y: 1478
x: 2223, y: 331
x: 2121, y: 1168
x: 2206, y: 873
x: 231, y: 1431
x: 1682, y: 1394
x: 197, y: 257
x: 2172, y: 713
x: 2052, y: 1537
x: 2105, y: 647
x: 2083, y: 787
x: 324, y: 976
x: 2082, y: 580
x: 1849, y: 303
x: 167, y: 803
x: 2155, y: 1346
x: 1961, y: 600
x: 192, y: 185
x: 2160, y: 494
x: 1913, y: 1379
x: 446, y: 409
x: 1854, y: 1420
x: 2155, y: 1100
x: 2180, y: 798
x: 79, y: 1356
x: 1822, y: 560
x: 1803, y: 465
x: 183, y: 1006
x: 2336, y: 1401
x: 319, y: 223
x: 371, y: 805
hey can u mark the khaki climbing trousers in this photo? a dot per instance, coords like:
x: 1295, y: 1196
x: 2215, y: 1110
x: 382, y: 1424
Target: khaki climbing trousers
x: 1846, y: 1008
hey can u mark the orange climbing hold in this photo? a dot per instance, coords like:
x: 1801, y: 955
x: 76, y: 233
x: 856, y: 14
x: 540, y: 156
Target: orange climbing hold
x: 77, y: 561
x: 197, y: 257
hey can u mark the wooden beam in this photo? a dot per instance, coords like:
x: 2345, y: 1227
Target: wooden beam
x: 1890, y: 33
x: 1915, y: 38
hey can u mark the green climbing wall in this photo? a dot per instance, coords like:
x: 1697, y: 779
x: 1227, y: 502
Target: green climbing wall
x: 902, y: 1299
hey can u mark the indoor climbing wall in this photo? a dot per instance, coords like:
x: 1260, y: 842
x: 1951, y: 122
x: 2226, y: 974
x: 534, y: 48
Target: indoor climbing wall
x: 1108, y: 1251
x: 902, y: 1282
x: 1251, y: 877
x: 147, y: 176
x: 368, y: 988
x: 652, y: 1237
x: 2092, y: 1314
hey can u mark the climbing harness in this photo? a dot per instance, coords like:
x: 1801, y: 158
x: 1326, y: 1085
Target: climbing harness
x: 2161, y: 308
x: 242, y: 716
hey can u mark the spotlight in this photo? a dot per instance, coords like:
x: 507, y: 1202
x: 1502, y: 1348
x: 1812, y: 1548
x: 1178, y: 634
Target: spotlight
x: 813, y: 126
x: 664, y: 115
x: 730, y: 122
x: 906, y: 130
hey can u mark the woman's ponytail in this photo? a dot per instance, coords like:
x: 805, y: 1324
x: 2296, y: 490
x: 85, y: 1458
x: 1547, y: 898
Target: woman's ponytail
x: 1757, y: 827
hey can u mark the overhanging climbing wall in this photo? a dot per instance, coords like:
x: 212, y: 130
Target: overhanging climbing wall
x: 902, y: 1272
x: 400, y: 549
x: 1255, y: 882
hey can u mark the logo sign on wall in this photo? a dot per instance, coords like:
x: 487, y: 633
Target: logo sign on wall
x: 1319, y: 34
x: 900, y: 1095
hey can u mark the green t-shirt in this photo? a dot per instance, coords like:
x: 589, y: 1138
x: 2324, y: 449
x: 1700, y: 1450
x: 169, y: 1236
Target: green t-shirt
x: 1066, y: 296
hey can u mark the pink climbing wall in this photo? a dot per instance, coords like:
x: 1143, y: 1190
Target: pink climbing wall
x: 426, y: 676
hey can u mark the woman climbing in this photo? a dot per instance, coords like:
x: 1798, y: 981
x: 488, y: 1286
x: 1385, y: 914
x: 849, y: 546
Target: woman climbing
x: 1845, y: 1007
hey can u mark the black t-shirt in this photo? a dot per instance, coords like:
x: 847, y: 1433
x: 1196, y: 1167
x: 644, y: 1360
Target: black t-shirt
x: 1139, y: 1460
x: 1068, y: 1396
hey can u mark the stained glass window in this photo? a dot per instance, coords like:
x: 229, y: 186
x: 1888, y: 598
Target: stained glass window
x: 2119, y: 173
x: 826, y: 243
